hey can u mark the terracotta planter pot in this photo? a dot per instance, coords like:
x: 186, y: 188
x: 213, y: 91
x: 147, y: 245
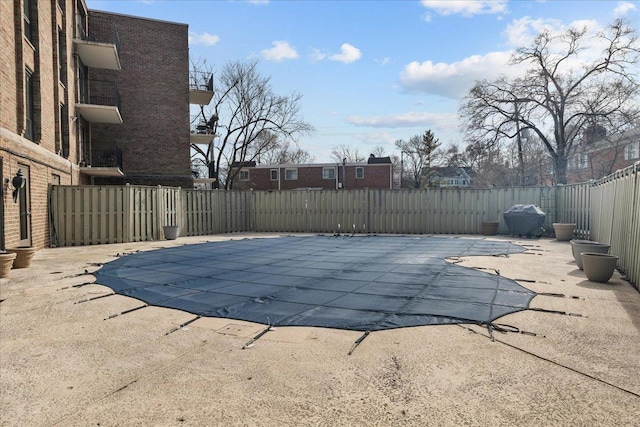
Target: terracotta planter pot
x: 171, y: 232
x: 490, y: 228
x: 599, y: 267
x: 6, y: 263
x: 564, y: 231
x: 580, y: 246
x: 23, y: 256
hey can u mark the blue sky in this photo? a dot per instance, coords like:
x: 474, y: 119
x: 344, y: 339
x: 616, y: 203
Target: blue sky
x: 372, y: 72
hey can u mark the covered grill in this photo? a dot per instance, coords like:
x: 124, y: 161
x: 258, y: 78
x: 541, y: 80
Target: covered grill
x: 525, y: 220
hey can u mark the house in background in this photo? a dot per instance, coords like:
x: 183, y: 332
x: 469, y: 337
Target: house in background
x: 376, y: 172
x: 598, y: 156
x: 89, y: 97
x: 452, y: 176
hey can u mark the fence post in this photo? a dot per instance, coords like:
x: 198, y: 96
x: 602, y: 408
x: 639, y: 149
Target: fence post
x: 127, y: 214
x: 159, y: 212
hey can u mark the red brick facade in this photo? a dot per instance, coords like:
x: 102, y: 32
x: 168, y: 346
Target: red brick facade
x: 47, y: 145
x: 154, y: 87
x: 37, y: 154
x: 326, y: 176
x: 601, y: 158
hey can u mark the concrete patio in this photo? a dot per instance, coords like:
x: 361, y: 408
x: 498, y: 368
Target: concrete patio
x: 69, y: 358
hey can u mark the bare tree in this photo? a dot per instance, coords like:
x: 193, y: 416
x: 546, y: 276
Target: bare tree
x: 379, y: 151
x: 284, y: 153
x: 345, y: 153
x: 557, y: 100
x: 418, y: 156
x: 529, y: 160
x: 453, y: 156
x: 248, y: 120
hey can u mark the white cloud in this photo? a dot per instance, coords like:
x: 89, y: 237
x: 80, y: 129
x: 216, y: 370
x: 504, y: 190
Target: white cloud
x: 521, y: 32
x: 455, y: 79
x: 466, y: 7
x: 623, y: 8
x: 204, y: 39
x: 409, y: 119
x: 316, y: 55
x: 280, y: 51
x: 347, y: 55
x: 375, y: 139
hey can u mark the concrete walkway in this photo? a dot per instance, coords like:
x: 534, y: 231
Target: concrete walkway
x: 68, y: 359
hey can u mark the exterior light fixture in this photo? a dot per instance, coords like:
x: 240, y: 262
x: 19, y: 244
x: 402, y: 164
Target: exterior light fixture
x: 18, y: 182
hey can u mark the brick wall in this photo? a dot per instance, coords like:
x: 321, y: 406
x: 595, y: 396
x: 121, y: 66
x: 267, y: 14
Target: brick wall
x: 600, y: 163
x: 154, y: 91
x: 310, y: 176
x: 38, y: 159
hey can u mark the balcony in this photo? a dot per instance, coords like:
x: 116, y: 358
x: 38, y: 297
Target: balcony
x: 99, y: 101
x: 201, y: 130
x: 104, y: 161
x: 98, y: 47
x: 200, y: 87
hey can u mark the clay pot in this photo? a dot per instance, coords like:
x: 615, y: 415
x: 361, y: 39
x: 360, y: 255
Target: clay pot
x: 580, y: 246
x: 599, y: 267
x: 6, y: 263
x: 23, y: 256
x: 564, y: 231
x: 490, y: 228
x: 171, y: 232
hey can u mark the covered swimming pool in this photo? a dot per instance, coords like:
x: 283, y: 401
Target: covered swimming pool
x: 362, y: 283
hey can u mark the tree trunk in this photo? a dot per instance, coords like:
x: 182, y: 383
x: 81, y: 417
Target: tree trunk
x: 561, y: 169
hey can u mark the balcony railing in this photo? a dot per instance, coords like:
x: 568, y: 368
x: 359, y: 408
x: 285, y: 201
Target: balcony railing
x: 201, y: 130
x: 99, y: 92
x: 103, y: 157
x: 101, y: 30
x: 200, y: 87
x: 99, y: 46
x: 200, y: 126
x: 200, y: 80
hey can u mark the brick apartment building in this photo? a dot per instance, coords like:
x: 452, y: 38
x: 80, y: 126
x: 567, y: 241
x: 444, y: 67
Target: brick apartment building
x: 599, y: 156
x: 376, y: 172
x: 88, y: 97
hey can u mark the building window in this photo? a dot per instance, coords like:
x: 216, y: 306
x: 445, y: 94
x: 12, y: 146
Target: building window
x: 62, y: 76
x: 29, y: 105
x: 274, y: 174
x: 63, y: 148
x: 83, y: 85
x: 81, y: 19
x: 291, y: 174
x: 583, y: 161
x: 28, y: 19
x: 632, y: 150
x: 244, y: 175
x: 579, y: 161
x: 359, y: 172
x: 328, y: 173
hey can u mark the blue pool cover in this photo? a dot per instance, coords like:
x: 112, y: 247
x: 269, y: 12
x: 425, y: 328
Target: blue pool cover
x: 362, y: 283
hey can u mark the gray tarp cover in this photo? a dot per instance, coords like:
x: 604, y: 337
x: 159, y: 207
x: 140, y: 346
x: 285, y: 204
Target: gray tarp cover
x: 362, y: 283
x: 524, y: 220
